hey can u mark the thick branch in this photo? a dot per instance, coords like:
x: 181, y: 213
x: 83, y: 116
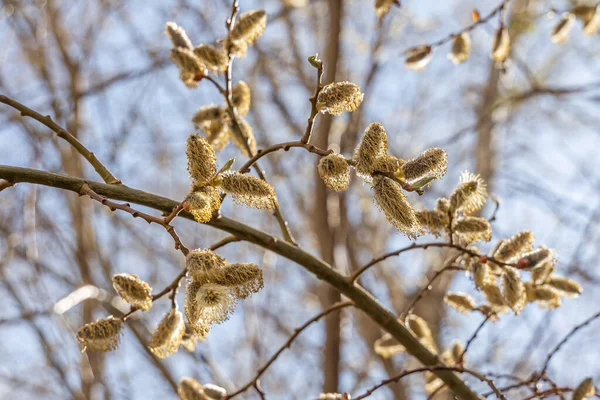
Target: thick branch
x: 361, y: 298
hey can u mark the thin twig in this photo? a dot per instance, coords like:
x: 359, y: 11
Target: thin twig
x: 282, y: 146
x: 62, y: 133
x: 429, y: 286
x: 472, y: 338
x: 313, y: 101
x: 288, y: 343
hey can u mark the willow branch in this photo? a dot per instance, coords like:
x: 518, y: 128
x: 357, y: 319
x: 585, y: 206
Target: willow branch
x: 362, y: 299
x: 25, y: 111
x: 288, y: 344
x: 282, y: 146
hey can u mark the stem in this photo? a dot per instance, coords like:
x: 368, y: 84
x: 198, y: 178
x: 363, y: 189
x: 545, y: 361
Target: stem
x: 313, y: 101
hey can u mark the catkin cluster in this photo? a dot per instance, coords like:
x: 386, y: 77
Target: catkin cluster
x: 214, y: 287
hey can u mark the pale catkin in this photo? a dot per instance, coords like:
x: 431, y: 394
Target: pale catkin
x: 435, y: 222
x: 418, y: 58
x: 541, y: 273
x: 494, y: 297
x: 133, y: 290
x: 565, y: 286
x: 167, y: 337
x: 472, y: 229
x: 214, y: 392
x: 213, y: 58
x: 335, y: 171
x: 419, y: 327
x: 387, y: 346
x: 373, y: 146
x: 178, y: 36
x: 432, y: 162
x: 470, y: 195
x: 453, y: 355
x: 237, y: 48
x: 545, y: 296
x: 241, y: 97
x: 382, y: 7
x: 461, y: 302
x: 202, y: 160
x: 443, y: 205
x: 190, y: 389
x: 207, y: 304
x: 501, y: 45
x: 244, y: 279
x: 482, y: 275
x: 214, y: 121
x: 537, y: 257
x: 246, y: 141
x: 461, y: 48
x: 101, y: 335
x: 249, y: 27
x: 584, y: 390
x: 513, y: 289
x: 248, y: 190
x: 392, y: 202
x: 337, y: 97
x: 187, y: 61
x: 511, y: 249
x: 204, y: 264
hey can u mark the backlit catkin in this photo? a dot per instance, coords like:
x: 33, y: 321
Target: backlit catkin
x: 241, y: 97
x: 470, y: 194
x: 202, y: 160
x: 373, y: 146
x: 432, y: 162
x: 133, y: 290
x: 337, y: 97
x: 334, y: 171
x: 248, y: 190
x: 168, y: 335
x: 178, y: 36
x: 101, y: 335
x: 213, y: 58
x: 391, y: 200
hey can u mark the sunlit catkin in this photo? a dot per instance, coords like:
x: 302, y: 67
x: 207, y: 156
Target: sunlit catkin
x: 567, y: 287
x: 389, y: 164
x: 207, y: 304
x: 214, y: 392
x: 244, y: 139
x: 391, y: 200
x: 562, y: 29
x: 133, y: 290
x: 190, y: 389
x: 515, y: 247
x: 187, y: 61
x: 178, y: 36
x: 536, y: 258
x: 461, y: 302
x: 453, y: 355
x: 373, y: 145
x: 501, y: 45
x: 470, y: 195
x: 541, y: 273
x: 241, y: 97
x: 418, y: 326
x: 213, y: 58
x: 248, y: 190
x: 249, y: 27
x: 513, y: 289
x: 482, y: 275
x: 418, y: 58
x: 167, y: 337
x: 198, y: 204
x: 494, y: 297
x: 214, y: 121
x: 337, y: 97
x: 244, y: 279
x: 203, y: 265
x: 472, y: 229
x: 584, y: 390
x: 435, y: 222
x: 461, y: 48
x: 589, y: 17
x: 442, y: 204
x: 387, y: 346
x: 432, y: 162
x: 202, y: 160
x: 334, y: 171
x: 101, y: 335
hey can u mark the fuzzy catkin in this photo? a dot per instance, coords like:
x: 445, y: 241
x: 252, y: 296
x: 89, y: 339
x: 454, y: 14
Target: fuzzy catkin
x: 214, y: 121
x: 435, y: 222
x: 244, y: 279
x: 213, y: 58
x: 565, y: 286
x: 382, y: 7
x: 241, y: 97
x: 202, y: 160
x: 432, y: 162
x: 207, y: 304
x: 482, y: 275
x: 501, y: 45
x: 373, y: 146
x: 514, y: 247
x: 442, y: 204
x: 167, y: 337
x: 513, y: 289
x: 248, y: 190
x: 204, y: 264
x: 584, y: 390
x: 418, y: 326
x: 472, y: 229
x: 541, y: 273
x: 187, y: 61
x: 418, y: 58
x: 388, y: 163
x: 470, y: 194
x: 537, y: 257
x: 461, y: 302
x: 337, y: 97
x: 334, y: 171
x: 198, y: 204
x: 178, y: 36
x: 392, y: 201
x: 190, y: 389
x: 494, y: 297
x: 461, y: 48
x: 246, y: 143
x: 386, y: 346
x: 249, y: 27
x: 101, y: 335
x: 133, y: 290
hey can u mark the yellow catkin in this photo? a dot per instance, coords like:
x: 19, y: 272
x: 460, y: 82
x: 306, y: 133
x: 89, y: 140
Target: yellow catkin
x: 187, y: 61
x: 541, y: 273
x: 190, y: 340
x: 501, y: 45
x: 537, y: 257
x: 204, y: 264
x: 584, y: 390
x: 334, y: 171
x: 167, y: 337
x: 442, y: 204
x: 387, y: 346
x: 392, y: 201
x: 236, y: 48
x: 249, y: 27
x: 472, y: 229
x: 382, y: 7
x: 190, y: 389
x: 453, y: 355
x: 389, y: 163
x: 207, y: 304
x: 494, y: 297
x: 244, y: 279
x: 461, y: 48
x: 566, y: 286
x: 202, y: 160
x: 213, y: 58
x: 513, y: 289
x: 373, y: 146
x: 178, y: 36
x: 418, y: 326
x: 246, y: 141
x: 588, y: 15
x: 214, y: 121
x: 435, y: 222
x: 482, y: 275
x: 560, y: 33
x: 513, y: 248
x: 461, y: 302
x: 133, y: 290
x: 432, y: 162
x: 101, y: 335
x: 248, y: 190
x: 470, y: 195
x: 337, y: 97
x: 211, y: 191
x: 198, y: 204
x: 418, y: 58
x: 545, y: 296
x: 241, y: 97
